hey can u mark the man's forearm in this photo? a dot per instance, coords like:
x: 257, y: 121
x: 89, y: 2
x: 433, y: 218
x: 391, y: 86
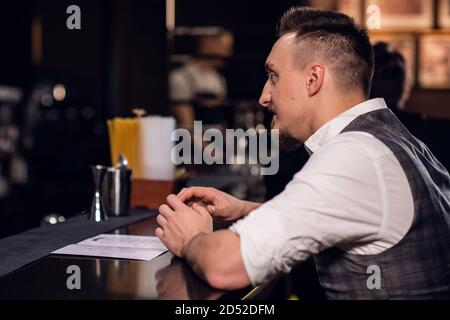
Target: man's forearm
x: 216, y: 258
x: 184, y: 113
x: 249, y: 207
x: 193, y: 254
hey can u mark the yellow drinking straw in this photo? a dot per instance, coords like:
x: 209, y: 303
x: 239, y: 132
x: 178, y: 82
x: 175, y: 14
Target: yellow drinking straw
x: 124, y: 139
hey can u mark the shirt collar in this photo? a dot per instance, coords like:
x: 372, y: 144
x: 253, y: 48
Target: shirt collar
x: 337, y: 124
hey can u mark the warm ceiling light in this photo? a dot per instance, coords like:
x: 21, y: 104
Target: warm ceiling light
x: 59, y: 92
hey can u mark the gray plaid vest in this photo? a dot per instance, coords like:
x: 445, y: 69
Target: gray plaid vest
x: 418, y: 267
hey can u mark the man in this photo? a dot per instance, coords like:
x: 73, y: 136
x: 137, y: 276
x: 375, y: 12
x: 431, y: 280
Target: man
x: 393, y: 83
x: 198, y: 90
x: 371, y: 205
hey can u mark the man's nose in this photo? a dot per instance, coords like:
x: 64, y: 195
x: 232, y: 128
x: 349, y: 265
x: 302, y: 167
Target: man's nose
x: 266, y: 97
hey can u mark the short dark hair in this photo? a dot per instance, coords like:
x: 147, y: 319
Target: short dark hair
x: 390, y: 75
x: 336, y: 38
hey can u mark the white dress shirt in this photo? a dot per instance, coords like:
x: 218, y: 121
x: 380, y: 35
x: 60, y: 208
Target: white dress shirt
x: 352, y: 193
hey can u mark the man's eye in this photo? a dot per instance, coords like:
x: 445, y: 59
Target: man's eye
x: 272, y: 76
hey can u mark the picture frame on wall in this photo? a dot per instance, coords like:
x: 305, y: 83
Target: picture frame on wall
x: 352, y: 8
x: 434, y: 62
x: 444, y: 14
x: 404, y: 43
x: 405, y: 14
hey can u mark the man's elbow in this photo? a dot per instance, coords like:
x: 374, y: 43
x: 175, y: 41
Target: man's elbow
x: 224, y: 278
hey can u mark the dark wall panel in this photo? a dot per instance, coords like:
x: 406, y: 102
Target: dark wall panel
x: 140, y: 60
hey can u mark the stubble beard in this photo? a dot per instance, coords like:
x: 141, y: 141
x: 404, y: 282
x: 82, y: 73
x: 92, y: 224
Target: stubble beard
x: 286, y: 141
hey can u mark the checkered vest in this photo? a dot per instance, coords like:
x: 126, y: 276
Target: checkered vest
x: 418, y: 267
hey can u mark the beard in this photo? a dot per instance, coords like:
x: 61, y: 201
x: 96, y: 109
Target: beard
x: 286, y: 142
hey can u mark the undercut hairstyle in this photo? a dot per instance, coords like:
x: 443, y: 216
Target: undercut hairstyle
x: 335, y: 39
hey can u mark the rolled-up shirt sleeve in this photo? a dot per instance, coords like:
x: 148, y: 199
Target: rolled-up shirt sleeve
x: 334, y: 199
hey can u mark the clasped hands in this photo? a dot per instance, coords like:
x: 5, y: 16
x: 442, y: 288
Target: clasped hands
x: 191, y: 212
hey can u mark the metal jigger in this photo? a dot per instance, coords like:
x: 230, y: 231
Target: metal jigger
x: 98, y: 210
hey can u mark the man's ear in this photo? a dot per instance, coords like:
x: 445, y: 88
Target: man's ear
x: 314, y: 78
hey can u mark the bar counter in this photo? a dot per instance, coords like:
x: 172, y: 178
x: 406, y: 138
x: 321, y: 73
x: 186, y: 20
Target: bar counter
x: 165, y: 277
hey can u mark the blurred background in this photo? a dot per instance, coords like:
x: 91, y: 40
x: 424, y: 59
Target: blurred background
x: 59, y: 86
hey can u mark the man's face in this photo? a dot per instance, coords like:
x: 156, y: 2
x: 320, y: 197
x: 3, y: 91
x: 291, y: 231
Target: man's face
x: 284, y: 93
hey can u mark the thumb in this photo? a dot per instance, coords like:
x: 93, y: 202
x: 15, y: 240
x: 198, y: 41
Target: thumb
x: 215, y: 211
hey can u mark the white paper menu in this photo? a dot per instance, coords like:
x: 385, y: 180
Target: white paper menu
x: 116, y: 246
